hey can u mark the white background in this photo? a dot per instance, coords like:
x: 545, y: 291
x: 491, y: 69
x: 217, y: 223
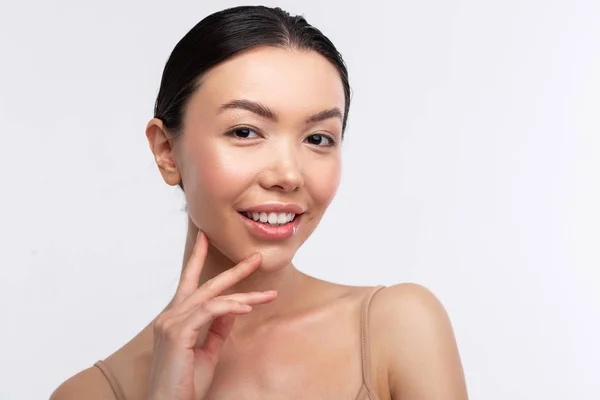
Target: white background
x: 471, y: 166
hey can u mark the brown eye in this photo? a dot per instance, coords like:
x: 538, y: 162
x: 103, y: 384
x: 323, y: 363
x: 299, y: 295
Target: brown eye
x: 243, y: 133
x: 319, y: 140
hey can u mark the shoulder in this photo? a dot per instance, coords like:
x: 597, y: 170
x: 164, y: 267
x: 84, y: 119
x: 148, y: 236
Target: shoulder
x: 89, y: 384
x: 416, y: 343
x: 406, y: 302
x: 411, y: 314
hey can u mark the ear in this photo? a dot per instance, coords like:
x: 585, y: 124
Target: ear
x: 163, y: 151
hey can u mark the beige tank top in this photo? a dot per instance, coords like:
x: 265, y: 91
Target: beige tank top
x: 366, y: 392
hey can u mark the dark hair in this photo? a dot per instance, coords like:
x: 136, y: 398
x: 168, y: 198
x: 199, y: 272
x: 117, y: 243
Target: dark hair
x: 224, y: 34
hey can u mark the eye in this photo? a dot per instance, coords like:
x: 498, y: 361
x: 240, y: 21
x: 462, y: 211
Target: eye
x: 320, y: 140
x: 243, y: 133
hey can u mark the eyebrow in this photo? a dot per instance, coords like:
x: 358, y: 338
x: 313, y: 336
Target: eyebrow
x: 265, y: 112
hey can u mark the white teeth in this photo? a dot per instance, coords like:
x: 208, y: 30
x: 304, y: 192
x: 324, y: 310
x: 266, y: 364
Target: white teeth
x: 263, y: 217
x: 271, y: 218
x: 281, y: 219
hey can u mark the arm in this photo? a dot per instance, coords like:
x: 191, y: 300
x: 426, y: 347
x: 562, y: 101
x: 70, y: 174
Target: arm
x: 89, y: 384
x: 418, y: 342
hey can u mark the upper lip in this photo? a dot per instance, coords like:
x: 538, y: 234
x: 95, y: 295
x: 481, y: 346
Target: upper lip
x: 276, y: 208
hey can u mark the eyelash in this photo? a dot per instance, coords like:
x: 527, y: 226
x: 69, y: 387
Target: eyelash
x: 233, y: 132
x: 331, y: 141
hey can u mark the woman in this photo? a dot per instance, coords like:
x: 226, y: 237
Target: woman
x: 248, y: 122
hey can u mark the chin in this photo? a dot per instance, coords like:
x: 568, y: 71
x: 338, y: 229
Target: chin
x: 236, y: 242
x: 275, y: 259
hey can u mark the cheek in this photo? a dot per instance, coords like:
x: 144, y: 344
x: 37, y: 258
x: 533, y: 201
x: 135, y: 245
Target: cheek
x: 213, y: 180
x: 324, y: 180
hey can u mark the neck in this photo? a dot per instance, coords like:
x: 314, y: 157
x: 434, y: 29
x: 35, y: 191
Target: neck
x: 284, y: 280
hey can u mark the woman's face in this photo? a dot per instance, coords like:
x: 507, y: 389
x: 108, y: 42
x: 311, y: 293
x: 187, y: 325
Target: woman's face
x: 262, y: 138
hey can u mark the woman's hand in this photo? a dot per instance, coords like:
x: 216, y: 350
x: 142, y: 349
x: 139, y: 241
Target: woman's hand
x: 189, y: 335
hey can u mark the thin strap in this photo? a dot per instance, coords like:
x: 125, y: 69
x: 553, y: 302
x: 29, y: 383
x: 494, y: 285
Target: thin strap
x: 364, y: 337
x: 112, y: 381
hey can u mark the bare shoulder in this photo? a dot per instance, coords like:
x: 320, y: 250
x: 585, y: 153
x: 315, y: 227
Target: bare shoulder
x: 411, y: 314
x: 406, y: 301
x: 88, y: 384
x: 415, y: 340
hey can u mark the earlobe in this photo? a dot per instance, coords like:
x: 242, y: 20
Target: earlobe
x: 160, y: 145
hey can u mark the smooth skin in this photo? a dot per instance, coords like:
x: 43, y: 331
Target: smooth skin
x: 189, y: 336
x: 244, y: 322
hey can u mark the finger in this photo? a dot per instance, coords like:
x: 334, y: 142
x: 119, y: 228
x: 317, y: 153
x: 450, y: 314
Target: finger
x: 190, y: 276
x: 195, y: 321
x: 252, y: 298
x: 215, y: 286
x: 216, y: 336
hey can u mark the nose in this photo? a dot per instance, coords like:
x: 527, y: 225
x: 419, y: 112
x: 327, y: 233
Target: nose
x: 283, y: 170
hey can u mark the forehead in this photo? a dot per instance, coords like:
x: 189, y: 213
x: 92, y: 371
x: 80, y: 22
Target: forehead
x: 286, y: 80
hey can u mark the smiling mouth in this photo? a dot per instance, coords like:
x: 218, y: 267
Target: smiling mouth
x: 271, y: 218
